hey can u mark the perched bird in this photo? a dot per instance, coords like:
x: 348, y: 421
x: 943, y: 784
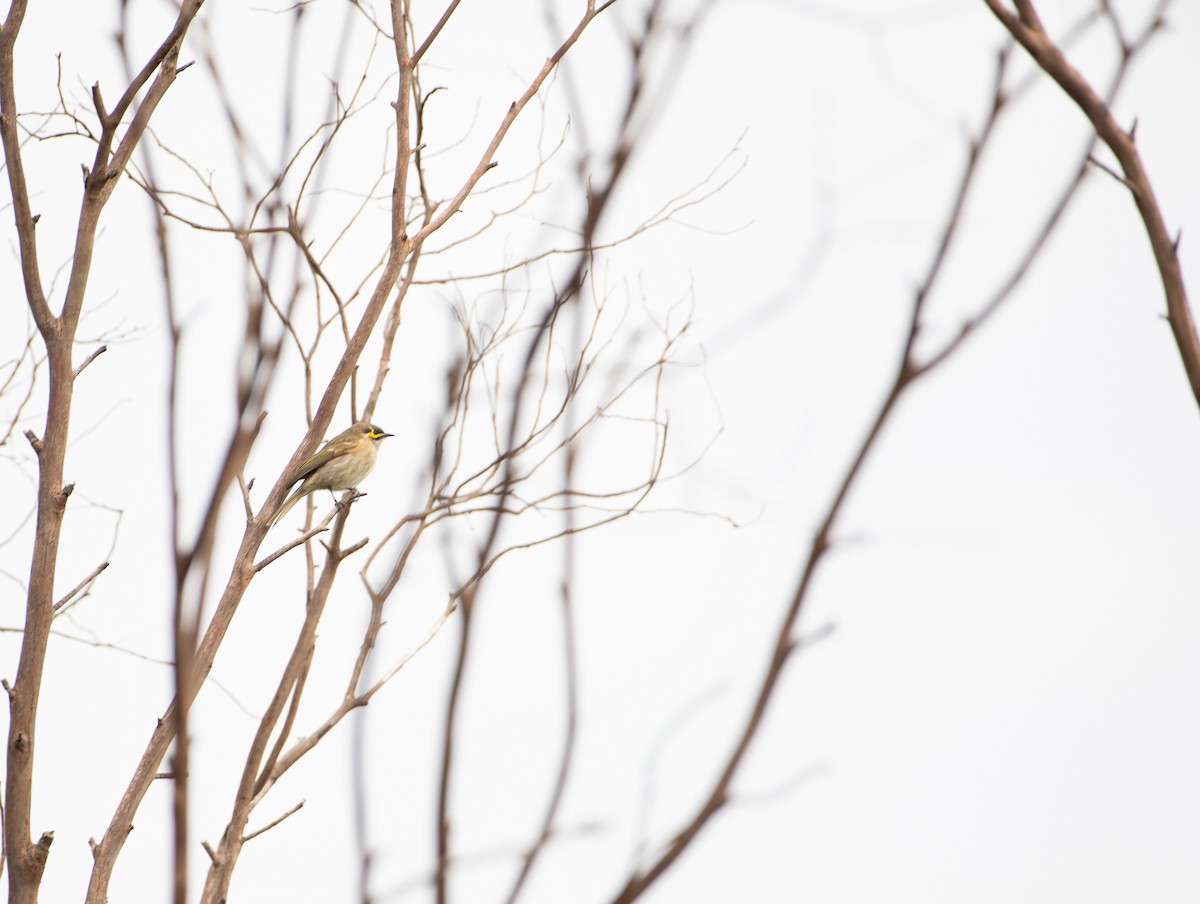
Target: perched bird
x: 340, y: 465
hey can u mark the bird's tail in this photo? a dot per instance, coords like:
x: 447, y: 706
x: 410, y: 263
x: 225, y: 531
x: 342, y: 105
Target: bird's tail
x: 287, y: 506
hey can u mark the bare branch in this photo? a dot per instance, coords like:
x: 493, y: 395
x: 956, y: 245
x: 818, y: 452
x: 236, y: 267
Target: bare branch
x: 62, y: 603
x: 90, y: 358
x: 25, y: 221
x: 1026, y: 28
x: 907, y: 371
x: 273, y: 823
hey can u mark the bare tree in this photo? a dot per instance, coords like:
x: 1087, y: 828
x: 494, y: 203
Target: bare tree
x: 549, y: 357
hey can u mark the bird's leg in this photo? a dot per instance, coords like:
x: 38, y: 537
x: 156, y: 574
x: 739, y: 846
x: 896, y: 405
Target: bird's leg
x: 353, y: 496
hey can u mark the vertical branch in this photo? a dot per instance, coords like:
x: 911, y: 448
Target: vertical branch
x: 405, y: 64
x: 184, y: 632
x: 28, y: 860
x: 25, y: 221
x: 570, y: 663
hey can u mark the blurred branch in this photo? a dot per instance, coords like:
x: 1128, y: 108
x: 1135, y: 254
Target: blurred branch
x: 910, y: 369
x: 599, y: 196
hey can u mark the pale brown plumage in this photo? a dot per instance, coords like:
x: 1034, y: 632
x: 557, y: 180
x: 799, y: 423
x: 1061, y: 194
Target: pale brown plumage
x: 340, y: 465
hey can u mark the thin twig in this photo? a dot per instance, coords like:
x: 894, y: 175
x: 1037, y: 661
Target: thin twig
x: 80, y: 586
x: 274, y: 822
x: 90, y: 358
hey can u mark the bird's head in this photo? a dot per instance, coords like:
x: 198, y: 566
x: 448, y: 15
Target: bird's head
x: 375, y: 433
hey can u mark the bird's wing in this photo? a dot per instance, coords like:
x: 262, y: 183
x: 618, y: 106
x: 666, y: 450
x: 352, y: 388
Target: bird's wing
x: 331, y: 451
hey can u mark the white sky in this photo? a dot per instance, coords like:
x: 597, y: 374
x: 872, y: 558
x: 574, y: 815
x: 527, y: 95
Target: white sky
x: 1008, y: 707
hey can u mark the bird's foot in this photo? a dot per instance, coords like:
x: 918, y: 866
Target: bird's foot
x: 348, y: 498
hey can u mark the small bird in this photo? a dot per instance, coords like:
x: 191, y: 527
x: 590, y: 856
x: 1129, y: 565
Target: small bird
x: 340, y: 465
